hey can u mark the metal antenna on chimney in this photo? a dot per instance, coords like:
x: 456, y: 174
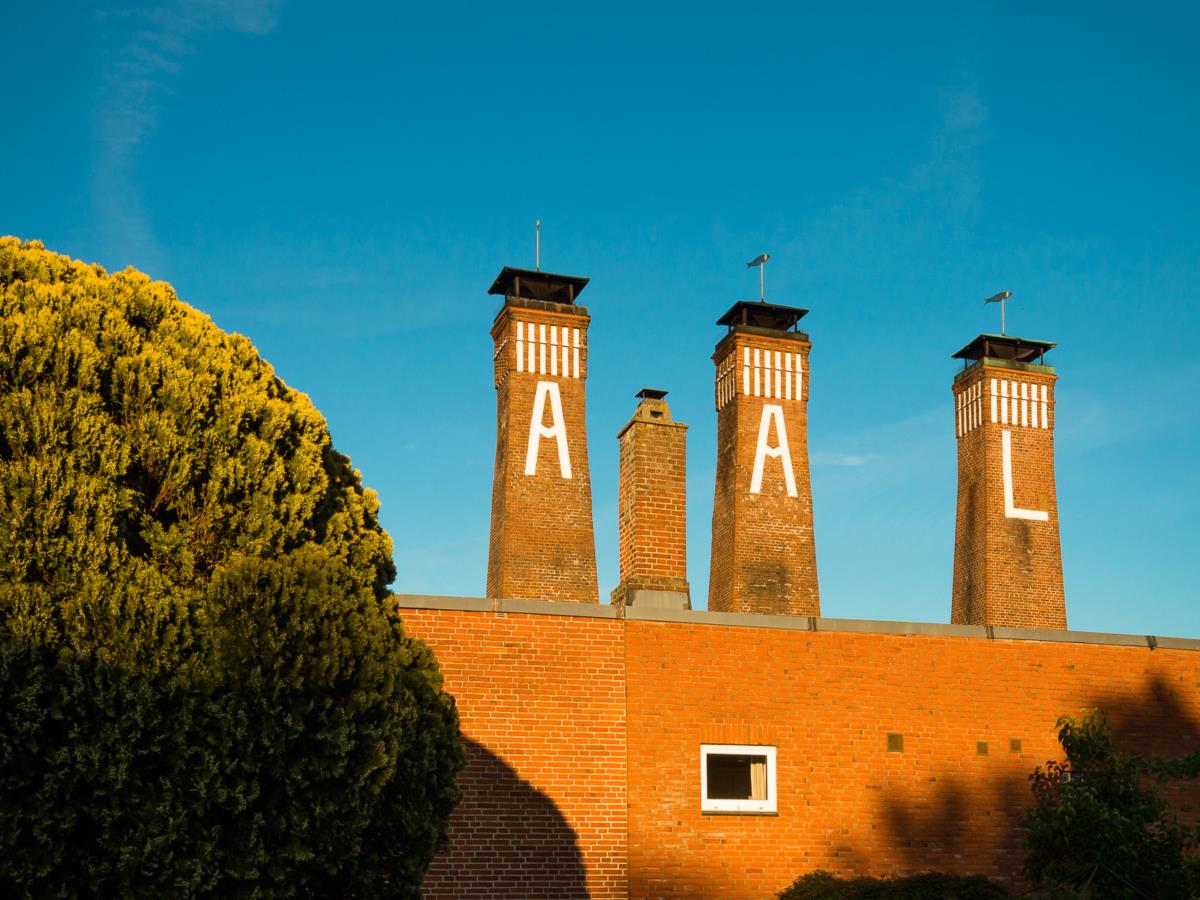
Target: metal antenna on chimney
x: 1000, y: 298
x: 760, y: 261
x: 537, y: 244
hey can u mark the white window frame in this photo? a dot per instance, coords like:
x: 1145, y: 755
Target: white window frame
x: 770, y: 805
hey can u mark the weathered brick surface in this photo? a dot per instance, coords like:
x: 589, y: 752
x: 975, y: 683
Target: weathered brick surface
x: 542, y: 543
x: 828, y: 702
x: 542, y: 703
x: 1007, y: 569
x: 652, y: 502
x: 764, y: 557
x: 585, y: 774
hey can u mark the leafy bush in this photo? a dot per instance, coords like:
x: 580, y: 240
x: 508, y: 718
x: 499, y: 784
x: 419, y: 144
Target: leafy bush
x: 204, y: 689
x: 822, y: 885
x: 1098, y: 824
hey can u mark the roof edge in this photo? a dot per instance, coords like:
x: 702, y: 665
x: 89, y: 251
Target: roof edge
x: 789, y: 623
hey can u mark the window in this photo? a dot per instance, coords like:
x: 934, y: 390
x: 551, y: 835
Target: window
x: 737, y: 778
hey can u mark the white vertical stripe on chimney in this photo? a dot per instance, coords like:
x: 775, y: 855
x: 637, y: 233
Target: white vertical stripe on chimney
x: 993, y: 401
x: 520, y: 346
x: 778, y: 374
x: 787, y: 376
x: 554, y: 350
x: 1013, y: 400
x: 1024, y: 404
x: 757, y: 371
x: 1045, y: 420
x: 542, y: 349
x: 575, y: 337
x: 1033, y: 407
x: 958, y: 426
x: 1003, y: 401
x: 746, y: 370
x: 799, y: 394
x: 531, y: 345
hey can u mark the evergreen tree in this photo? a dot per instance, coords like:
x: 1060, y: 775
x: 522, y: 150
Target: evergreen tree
x: 204, y: 689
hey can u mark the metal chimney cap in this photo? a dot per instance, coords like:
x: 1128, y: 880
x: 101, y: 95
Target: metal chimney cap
x: 534, y: 285
x: 1004, y: 346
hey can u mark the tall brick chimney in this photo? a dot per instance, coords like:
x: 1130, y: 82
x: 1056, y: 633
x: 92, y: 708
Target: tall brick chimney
x: 542, y: 545
x: 652, y: 508
x: 1007, y: 557
x: 763, y: 555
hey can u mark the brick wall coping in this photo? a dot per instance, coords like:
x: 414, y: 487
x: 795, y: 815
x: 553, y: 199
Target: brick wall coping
x: 792, y: 623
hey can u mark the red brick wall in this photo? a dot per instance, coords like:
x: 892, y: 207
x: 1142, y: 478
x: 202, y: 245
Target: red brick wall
x: 577, y: 708
x: 542, y: 544
x: 541, y: 700
x: 827, y: 701
x: 652, y: 502
x: 764, y: 557
x: 1007, y: 571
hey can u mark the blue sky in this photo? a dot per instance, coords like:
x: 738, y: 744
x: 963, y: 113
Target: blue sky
x: 341, y: 183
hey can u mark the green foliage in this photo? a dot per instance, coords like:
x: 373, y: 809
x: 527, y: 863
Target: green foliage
x: 1098, y: 824
x: 204, y: 690
x: 822, y: 885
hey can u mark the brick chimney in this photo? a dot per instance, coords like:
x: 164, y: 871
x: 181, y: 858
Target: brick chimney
x: 763, y: 554
x: 1007, y: 556
x: 652, y: 508
x: 542, y: 545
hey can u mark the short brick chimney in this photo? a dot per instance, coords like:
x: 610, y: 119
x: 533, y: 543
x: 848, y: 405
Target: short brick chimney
x: 763, y: 555
x: 542, y: 544
x: 1007, y: 556
x: 652, y: 508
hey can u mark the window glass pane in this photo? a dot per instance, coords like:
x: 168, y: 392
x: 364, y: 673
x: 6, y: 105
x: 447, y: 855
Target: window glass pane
x: 737, y: 777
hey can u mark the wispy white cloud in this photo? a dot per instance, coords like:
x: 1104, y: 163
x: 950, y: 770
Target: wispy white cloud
x: 1128, y: 411
x: 842, y: 459
x: 149, y: 49
x: 942, y: 189
x: 884, y: 456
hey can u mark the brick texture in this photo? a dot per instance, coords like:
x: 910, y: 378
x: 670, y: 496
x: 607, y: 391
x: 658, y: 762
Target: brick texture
x: 585, y: 739
x: 542, y: 543
x: 652, y: 502
x: 1007, y: 557
x: 542, y: 705
x: 764, y: 556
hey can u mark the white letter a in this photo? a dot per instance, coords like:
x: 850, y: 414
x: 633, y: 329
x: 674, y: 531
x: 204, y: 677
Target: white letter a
x: 557, y: 429
x: 772, y: 411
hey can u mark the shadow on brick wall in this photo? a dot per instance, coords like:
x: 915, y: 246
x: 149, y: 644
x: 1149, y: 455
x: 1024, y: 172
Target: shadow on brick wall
x: 507, y: 840
x: 943, y: 824
x: 947, y: 828
x: 1157, y: 723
